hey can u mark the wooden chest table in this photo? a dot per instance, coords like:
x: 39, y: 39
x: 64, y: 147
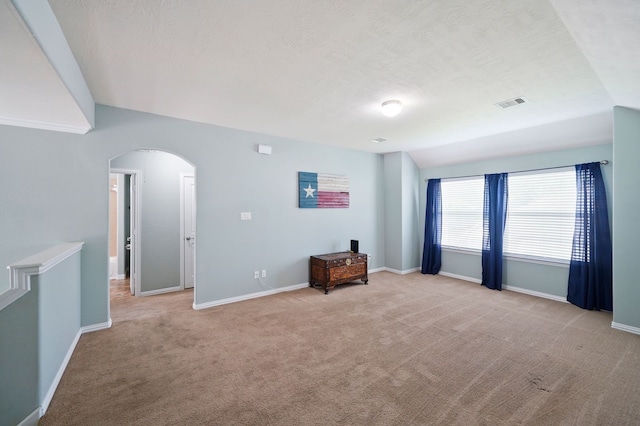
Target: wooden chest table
x: 329, y: 270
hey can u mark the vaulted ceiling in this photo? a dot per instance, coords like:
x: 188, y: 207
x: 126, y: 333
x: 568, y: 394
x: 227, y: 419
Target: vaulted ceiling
x: 318, y: 70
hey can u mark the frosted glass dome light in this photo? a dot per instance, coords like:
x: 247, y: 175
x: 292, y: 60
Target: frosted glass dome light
x: 391, y: 108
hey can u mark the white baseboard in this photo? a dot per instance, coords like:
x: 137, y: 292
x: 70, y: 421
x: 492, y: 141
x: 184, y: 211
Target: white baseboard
x: 535, y: 293
x: 46, y: 400
x: 31, y: 419
x: 509, y: 287
x: 44, y: 404
x: 96, y: 327
x: 121, y: 276
x: 160, y: 291
x: 406, y: 271
x: 624, y: 327
x: 460, y: 277
x: 198, y: 306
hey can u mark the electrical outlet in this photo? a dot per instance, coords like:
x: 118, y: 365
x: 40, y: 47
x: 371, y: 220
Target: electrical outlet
x: 245, y: 215
x: 256, y: 274
x: 264, y: 273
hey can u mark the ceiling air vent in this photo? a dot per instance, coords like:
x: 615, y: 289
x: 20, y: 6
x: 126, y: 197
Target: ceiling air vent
x: 512, y: 102
x: 378, y: 140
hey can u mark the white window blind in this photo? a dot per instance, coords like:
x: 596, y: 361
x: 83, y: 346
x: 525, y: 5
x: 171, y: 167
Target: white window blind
x: 541, y: 214
x: 462, y: 212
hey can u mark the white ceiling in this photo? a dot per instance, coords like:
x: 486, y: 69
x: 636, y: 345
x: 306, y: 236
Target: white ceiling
x: 318, y: 70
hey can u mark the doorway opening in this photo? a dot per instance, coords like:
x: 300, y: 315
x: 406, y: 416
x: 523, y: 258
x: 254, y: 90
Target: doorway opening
x: 123, y: 232
x: 152, y: 224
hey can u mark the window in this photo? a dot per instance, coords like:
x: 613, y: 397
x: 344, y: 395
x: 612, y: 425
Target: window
x: 462, y: 212
x: 541, y: 214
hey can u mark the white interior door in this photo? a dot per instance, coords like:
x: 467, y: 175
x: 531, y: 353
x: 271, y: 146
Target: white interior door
x: 188, y: 230
x: 133, y: 240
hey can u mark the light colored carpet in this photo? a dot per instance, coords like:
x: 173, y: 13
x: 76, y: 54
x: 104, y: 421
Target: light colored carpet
x: 404, y: 350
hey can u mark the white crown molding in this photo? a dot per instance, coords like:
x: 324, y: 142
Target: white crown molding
x: 44, y: 125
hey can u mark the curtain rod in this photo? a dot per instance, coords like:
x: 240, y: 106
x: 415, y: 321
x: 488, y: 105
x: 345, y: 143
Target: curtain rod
x: 603, y: 162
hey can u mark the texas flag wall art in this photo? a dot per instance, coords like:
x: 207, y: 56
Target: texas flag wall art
x: 322, y: 191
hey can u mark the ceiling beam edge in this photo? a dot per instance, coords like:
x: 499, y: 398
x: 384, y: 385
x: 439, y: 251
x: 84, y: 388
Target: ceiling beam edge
x: 45, y: 29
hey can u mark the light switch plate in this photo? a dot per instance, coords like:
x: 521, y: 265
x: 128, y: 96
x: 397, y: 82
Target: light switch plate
x: 245, y: 215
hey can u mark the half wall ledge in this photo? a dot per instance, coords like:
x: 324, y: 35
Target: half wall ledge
x: 20, y: 272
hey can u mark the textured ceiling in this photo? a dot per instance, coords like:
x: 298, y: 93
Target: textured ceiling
x: 318, y: 70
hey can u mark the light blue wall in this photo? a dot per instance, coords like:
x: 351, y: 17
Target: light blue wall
x: 19, y: 359
x: 626, y: 227
x: 393, y: 210
x: 160, y: 215
x: 233, y: 178
x: 401, y: 180
x: 547, y: 279
x: 36, y: 333
x: 54, y: 190
x: 58, y: 318
x: 410, y: 213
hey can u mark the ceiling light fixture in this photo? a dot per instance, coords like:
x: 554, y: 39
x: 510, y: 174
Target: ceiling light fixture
x: 391, y: 108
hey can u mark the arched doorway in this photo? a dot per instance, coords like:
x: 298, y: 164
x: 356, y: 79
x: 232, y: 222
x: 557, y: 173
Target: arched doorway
x: 155, y: 219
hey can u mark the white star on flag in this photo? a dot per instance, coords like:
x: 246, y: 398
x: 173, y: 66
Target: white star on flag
x: 309, y: 191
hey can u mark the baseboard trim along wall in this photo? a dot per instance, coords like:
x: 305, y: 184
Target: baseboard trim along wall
x: 397, y: 271
x: 624, y: 327
x: 535, y: 293
x: 31, y: 419
x: 56, y: 380
x: 509, y: 288
x: 160, y: 291
x: 198, y: 306
x: 96, y: 327
x: 460, y: 277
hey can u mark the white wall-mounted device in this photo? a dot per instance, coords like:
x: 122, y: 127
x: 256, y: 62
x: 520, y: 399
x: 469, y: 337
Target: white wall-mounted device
x: 264, y: 149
